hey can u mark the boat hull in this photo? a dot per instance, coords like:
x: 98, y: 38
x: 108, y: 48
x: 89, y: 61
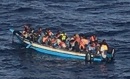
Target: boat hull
x: 57, y: 52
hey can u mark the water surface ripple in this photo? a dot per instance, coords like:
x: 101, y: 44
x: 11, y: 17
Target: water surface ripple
x: 108, y: 19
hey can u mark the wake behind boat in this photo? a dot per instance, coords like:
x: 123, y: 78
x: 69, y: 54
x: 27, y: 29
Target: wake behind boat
x: 85, y: 52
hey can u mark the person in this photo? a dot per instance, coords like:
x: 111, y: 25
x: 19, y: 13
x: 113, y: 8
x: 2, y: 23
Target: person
x: 26, y: 31
x: 39, y: 32
x: 27, y: 27
x: 92, y: 48
x: 76, y: 42
x: 71, y: 43
x: 45, y: 39
x: 60, y: 43
x: 40, y: 35
x: 97, y: 48
x: 104, y: 48
x: 63, y: 37
x: 104, y: 45
x: 83, y: 43
x: 53, y: 42
x: 57, y: 35
x: 93, y: 39
x: 48, y: 32
x: 31, y: 34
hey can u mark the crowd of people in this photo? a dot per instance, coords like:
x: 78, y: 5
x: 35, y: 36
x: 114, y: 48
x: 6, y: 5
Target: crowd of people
x: 77, y: 43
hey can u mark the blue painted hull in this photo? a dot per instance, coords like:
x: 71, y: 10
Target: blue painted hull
x: 57, y: 53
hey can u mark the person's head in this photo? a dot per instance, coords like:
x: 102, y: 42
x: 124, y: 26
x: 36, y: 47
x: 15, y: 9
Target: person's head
x: 104, y: 41
x: 63, y: 33
x: 32, y: 30
x: 40, y: 28
x: 58, y: 31
x: 81, y: 37
x: 27, y: 25
x: 46, y: 29
x: 76, y: 35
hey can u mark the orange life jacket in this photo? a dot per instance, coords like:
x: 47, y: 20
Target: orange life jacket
x: 83, y: 42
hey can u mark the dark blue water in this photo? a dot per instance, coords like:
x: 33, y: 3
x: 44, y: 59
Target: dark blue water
x: 108, y: 19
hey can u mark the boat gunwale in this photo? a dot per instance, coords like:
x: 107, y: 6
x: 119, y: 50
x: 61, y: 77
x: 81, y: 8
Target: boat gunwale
x: 55, y: 50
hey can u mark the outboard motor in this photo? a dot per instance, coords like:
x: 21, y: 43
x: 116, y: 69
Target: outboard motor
x: 88, y: 57
x: 111, y: 54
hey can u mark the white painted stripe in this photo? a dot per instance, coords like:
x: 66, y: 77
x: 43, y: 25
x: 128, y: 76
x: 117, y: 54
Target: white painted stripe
x: 55, y: 50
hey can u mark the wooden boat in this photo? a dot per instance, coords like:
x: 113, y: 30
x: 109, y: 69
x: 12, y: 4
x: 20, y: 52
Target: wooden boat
x: 59, y: 52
